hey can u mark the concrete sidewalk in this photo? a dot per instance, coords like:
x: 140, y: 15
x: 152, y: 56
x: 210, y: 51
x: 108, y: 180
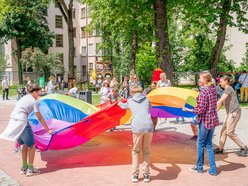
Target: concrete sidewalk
x: 106, y: 159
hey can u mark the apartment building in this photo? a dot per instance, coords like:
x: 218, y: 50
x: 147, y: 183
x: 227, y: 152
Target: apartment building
x: 85, y: 45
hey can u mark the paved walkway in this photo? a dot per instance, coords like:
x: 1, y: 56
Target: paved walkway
x: 106, y: 159
x: 6, y: 180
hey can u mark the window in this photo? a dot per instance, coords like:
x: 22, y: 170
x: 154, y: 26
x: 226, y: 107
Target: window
x: 27, y: 68
x: 59, y: 40
x: 61, y: 58
x: 84, y: 52
x: 74, y: 13
x: 84, y: 69
x: 98, y: 50
x: 83, y: 32
x: 83, y: 12
x: 90, y: 50
x: 58, y: 21
x: 74, y: 32
x: 56, y: 4
x: 106, y: 52
x: 90, y: 66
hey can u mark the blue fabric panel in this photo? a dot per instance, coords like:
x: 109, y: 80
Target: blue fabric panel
x: 51, y: 108
x: 178, y: 112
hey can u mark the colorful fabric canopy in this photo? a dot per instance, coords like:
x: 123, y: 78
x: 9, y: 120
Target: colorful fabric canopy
x: 75, y: 122
x: 167, y: 102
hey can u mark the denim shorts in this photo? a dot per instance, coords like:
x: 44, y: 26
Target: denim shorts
x: 27, y: 137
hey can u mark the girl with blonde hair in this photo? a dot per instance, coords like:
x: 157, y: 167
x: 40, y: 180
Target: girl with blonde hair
x: 207, y: 117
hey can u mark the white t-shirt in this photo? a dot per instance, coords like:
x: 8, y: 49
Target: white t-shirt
x: 19, y: 117
x: 24, y: 107
x: 73, y: 90
x: 165, y: 83
x: 5, y: 84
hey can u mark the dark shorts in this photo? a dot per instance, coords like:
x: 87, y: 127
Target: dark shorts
x: 27, y: 137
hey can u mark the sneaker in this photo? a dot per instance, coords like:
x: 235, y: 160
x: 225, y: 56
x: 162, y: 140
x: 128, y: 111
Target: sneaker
x: 194, y: 169
x: 218, y: 151
x: 31, y: 172
x: 135, y: 178
x: 194, y: 137
x: 243, y: 152
x: 146, y: 178
x: 167, y: 122
x: 23, y: 171
x: 212, y: 173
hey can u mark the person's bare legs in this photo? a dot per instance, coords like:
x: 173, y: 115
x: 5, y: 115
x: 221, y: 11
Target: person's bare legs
x: 24, y: 159
x: 24, y: 153
x: 31, y: 155
x: 194, y: 129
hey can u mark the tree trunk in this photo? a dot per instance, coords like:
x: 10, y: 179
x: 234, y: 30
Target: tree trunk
x: 133, y: 52
x: 162, y: 36
x: 71, y: 41
x: 19, y: 56
x: 221, y: 35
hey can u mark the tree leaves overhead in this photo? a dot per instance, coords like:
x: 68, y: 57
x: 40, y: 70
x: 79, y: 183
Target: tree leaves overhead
x: 118, y: 20
x: 25, y: 21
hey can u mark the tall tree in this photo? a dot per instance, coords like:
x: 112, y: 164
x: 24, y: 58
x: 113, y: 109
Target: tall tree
x: 162, y: 37
x: 67, y: 12
x: 221, y: 35
x: 25, y: 22
x: 2, y: 59
x: 124, y: 26
x: 217, y: 15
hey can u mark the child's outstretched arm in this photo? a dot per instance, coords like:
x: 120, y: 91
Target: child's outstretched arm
x: 43, y: 123
x: 123, y: 105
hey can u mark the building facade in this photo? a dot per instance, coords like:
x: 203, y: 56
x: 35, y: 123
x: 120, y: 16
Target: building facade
x: 86, y: 45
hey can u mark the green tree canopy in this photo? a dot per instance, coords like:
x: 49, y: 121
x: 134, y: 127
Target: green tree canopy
x: 25, y: 21
x: 41, y: 63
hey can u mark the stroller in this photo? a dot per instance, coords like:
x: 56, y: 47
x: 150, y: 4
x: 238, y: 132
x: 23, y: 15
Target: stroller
x: 21, y: 92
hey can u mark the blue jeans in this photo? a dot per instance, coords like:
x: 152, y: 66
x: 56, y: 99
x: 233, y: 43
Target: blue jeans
x: 205, y: 137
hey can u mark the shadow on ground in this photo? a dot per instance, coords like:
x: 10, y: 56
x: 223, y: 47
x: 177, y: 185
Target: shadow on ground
x: 114, y: 148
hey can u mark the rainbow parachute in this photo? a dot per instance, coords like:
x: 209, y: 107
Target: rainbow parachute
x: 75, y: 122
x: 167, y: 102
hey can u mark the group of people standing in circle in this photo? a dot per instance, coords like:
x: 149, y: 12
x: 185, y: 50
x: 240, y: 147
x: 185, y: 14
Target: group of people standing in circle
x: 207, y: 108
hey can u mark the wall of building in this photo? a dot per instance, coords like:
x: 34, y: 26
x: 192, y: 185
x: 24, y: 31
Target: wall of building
x: 237, y: 40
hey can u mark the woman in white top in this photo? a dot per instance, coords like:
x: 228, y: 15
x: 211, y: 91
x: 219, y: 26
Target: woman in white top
x: 113, y: 83
x: 50, y: 86
x: 105, y: 90
x: 163, y: 82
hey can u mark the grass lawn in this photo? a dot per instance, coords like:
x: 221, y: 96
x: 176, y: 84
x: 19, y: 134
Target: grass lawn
x: 95, y: 97
x: 12, y: 93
